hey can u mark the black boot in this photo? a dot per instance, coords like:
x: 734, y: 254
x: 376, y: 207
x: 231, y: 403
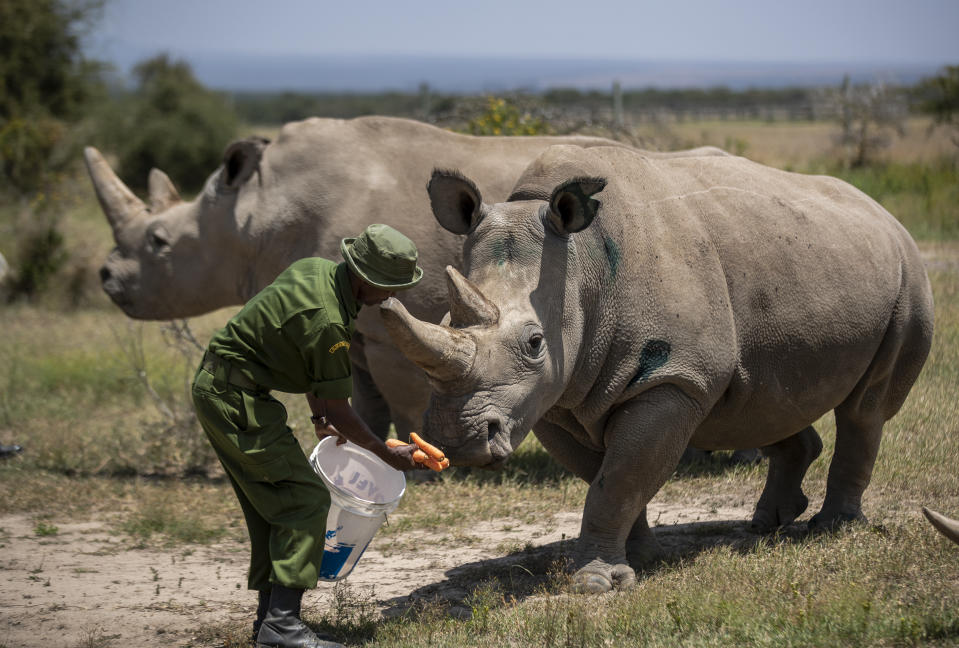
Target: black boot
x: 282, y: 627
x: 261, y: 608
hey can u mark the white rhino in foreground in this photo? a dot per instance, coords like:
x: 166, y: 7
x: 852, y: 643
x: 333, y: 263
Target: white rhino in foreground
x: 708, y: 301
x: 270, y: 204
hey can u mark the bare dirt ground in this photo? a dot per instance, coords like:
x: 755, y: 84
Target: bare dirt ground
x: 85, y: 587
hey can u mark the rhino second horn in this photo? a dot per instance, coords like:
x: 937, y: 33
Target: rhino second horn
x: 468, y: 306
x: 119, y: 204
x: 163, y: 193
x: 945, y: 526
x: 445, y: 354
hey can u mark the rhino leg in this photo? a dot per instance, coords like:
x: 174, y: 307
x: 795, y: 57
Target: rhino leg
x: 642, y: 547
x: 857, y: 445
x: 645, y: 438
x: 572, y: 455
x: 392, y: 389
x: 369, y: 403
x: 782, y: 500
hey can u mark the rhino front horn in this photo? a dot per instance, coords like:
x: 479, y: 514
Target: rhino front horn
x: 119, y: 204
x: 443, y: 353
x: 945, y: 526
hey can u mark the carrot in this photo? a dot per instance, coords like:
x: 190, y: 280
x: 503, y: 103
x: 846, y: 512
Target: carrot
x: 395, y: 443
x: 434, y: 452
x: 422, y: 458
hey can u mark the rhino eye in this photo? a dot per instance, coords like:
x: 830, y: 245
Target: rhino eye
x: 157, y: 239
x: 534, y: 344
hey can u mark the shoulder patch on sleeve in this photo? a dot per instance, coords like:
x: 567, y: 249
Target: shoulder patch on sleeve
x: 339, y: 345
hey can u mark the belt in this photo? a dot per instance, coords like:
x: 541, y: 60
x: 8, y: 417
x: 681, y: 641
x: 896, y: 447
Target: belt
x: 211, y: 362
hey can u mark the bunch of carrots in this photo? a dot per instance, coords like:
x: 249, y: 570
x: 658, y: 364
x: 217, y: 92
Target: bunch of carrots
x: 426, y: 453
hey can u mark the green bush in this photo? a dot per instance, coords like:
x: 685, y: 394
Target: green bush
x: 923, y: 196
x: 172, y: 122
x: 504, y: 118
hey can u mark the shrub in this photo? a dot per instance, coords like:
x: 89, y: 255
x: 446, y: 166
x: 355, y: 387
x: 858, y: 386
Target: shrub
x: 174, y: 123
x: 504, y: 118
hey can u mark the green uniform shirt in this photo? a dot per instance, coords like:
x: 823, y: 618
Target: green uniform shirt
x: 294, y: 335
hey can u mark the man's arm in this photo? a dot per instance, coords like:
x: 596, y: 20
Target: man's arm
x: 338, y: 418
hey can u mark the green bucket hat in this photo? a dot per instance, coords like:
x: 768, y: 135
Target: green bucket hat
x: 383, y: 257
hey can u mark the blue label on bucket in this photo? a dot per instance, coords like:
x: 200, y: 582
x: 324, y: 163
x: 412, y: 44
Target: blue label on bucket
x: 333, y: 560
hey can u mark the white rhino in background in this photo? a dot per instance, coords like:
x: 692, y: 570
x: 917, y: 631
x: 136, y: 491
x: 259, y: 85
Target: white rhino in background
x: 272, y: 203
x: 709, y: 301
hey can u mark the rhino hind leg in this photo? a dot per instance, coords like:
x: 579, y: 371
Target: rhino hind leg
x: 875, y: 399
x: 783, y: 500
x: 369, y: 403
x: 857, y: 445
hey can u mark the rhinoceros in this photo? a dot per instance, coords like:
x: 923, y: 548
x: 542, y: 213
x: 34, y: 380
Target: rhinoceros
x: 709, y: 301
x: 272, y: 203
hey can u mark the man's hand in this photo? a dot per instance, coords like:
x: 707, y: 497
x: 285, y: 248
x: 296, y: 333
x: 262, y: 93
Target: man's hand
x: 324, y: 428
x: 401, y: 458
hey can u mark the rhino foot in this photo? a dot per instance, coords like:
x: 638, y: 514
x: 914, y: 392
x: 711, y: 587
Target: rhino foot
x: 598, y: 576
x: 825, y: 521
x: 767, y: 519
x: 644, y: 551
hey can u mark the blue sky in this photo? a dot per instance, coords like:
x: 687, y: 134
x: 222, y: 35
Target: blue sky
x: 490, y: 45
x: 744, y: 30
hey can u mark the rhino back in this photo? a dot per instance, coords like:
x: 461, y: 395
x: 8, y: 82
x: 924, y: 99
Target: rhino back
x: 326, y: 179
x: 747, y: 285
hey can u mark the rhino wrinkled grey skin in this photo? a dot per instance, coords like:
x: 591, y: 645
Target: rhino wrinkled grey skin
x: 272, y: 203
x: 623, y: 307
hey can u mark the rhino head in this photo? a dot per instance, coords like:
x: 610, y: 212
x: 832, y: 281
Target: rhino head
x: 163, y: 265
x: 508, y: 347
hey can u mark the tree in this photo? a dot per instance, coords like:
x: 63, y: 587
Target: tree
x: 174, y: 123
x: 867, y: 114
x: 45, y: 85
x: 939, y: 97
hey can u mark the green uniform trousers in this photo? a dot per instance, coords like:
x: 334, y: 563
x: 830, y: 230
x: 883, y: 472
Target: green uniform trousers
x: 283, y: 500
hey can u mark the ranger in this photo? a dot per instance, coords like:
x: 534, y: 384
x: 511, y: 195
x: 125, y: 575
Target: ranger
x: 294, y: 336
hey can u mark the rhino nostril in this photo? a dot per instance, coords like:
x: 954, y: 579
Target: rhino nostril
x: 105, y: 274
x: 493, y: 429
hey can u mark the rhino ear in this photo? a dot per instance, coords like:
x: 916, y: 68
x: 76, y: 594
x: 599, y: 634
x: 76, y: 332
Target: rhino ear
x: 241, y: 159
x: 163, y: 193
x: 456, y: 202
x: 570, y: 207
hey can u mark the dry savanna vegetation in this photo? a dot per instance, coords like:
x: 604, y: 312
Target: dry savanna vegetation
x: 99, y: 404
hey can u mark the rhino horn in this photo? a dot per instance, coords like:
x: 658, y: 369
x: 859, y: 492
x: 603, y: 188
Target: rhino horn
x: 445, y: 354
x: 945, y: 526
x: 163, y: 193
x: 119, y: 203
x: 468, y: 306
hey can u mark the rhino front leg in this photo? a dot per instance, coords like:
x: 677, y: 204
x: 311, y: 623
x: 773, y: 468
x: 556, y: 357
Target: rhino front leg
x: 644, y: 440
x: 572, y: 455
x: 642, y: 547
x: 783, y: 500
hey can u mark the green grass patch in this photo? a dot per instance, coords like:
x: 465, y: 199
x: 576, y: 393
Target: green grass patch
x: 923, y: 196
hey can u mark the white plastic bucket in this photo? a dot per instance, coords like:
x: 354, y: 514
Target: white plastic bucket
x: 363, y: 489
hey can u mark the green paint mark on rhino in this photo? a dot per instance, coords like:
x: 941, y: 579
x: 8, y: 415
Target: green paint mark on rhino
x: 654, y: 355
x: 503, y: 249
x: 613, y: 254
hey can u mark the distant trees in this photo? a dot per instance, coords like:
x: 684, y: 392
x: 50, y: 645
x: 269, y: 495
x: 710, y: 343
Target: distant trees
x: 939, y: 97
x: 172, y: 122
x: 867, y: 114
x: 46, y: 85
